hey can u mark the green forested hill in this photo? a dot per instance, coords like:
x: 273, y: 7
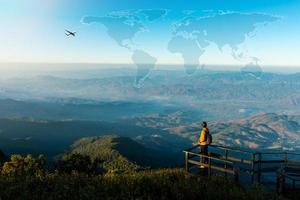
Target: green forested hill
x: 23, y: 136
x: 115, y: 153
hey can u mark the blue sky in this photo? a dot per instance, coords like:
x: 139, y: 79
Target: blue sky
x: 33, y: 31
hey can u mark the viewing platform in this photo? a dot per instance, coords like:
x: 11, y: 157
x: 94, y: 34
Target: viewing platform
x: 277, y: 168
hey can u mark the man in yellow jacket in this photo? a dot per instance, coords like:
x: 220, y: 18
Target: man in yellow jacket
x: 203, y: 141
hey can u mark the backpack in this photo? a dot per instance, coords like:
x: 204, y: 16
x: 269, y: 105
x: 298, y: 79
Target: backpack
x: 209, y: 138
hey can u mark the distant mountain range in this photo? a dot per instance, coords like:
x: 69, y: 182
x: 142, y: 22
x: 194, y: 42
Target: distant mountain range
x: 79, y: 109
x: 262, y: 131
x: 46, y: 114
x: 156, y: 138
x: 165, y: 84
x: 214, y: 95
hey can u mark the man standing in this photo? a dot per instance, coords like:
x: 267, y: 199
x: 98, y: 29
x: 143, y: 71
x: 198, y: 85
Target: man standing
x: 203, y: 141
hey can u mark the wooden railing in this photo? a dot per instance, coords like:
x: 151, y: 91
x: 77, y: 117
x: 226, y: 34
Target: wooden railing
x: 235, y: 161
x: 289, y: 173
x: 196, y: 159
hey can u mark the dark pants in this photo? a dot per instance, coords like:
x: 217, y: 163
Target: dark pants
x: 204, y: 151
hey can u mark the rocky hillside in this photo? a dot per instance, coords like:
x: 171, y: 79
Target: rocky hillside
x: 262, y: 131
x: 267, y: 131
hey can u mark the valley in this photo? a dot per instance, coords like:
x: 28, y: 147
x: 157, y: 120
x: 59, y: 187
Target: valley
x: 164, y: 115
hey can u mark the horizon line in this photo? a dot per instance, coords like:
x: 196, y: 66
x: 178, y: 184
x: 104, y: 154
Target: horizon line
x: 158, y: 64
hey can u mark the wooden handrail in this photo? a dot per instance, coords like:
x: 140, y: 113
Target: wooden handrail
x: 222, y: 147
x: 281, y: 152
x: 293, y: 162
x: 232, y: 149
x: 194, y: 147
x: 235, y: 163
x: 240, y: 160
x: 210, y: 157
x: 268, y: 161
x: 286, y: 173
x: 247, y: 151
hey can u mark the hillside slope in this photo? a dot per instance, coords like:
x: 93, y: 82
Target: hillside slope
x: 116, y: 153
x: 262, y: 131
x: 50, y: 138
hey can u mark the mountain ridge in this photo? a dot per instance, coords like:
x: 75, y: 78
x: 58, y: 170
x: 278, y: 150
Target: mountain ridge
x: 117, y: 153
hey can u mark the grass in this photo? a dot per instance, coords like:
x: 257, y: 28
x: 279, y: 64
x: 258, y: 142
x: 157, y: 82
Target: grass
x: 149, y: 184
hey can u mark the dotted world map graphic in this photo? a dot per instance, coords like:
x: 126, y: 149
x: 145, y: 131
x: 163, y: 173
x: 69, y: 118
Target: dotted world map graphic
x: 191, y: 35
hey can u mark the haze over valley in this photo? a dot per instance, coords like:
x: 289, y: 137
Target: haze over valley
x: 46, y: 113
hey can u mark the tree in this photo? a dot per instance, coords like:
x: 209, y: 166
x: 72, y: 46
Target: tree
x: 77, y: 162
x: 19, y: 165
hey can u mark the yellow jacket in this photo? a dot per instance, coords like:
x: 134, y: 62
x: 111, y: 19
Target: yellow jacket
x: 203, y: 137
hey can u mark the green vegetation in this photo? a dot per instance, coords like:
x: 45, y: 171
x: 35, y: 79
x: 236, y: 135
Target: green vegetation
x: 159, y: 184
x: 18, y: 165
x: 103, y: 153
x: 77, y: 163
x: 110, y: 167
x: 113, y: 154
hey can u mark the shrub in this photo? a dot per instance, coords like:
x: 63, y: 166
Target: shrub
x: 78, y: 163
x: 159, y: 184
x: 19, y: 165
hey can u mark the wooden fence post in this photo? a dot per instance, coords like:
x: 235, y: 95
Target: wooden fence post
x: 294, y: 184
x: 236, y: 174
x: 186, y: 157
x: 226, y: 158
x: 209, y: 166
x: 252, y: 168
x: 259, y: 168
x: 285, y: 159
x: 278, y: 182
